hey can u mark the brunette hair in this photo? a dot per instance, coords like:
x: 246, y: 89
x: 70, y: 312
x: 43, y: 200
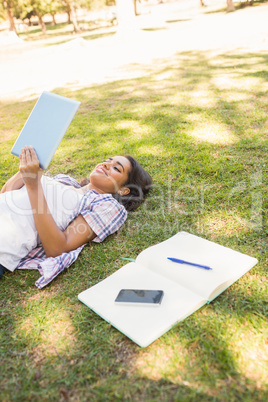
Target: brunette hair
x: 139, y: 183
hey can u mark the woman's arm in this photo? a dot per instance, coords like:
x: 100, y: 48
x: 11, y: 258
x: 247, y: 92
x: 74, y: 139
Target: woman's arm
x: 54, y: 241
x: 14, y: 183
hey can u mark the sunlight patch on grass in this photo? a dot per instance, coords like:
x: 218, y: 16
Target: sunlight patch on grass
x: 235, y: 62
x: 224, y: 82
x: 213, y: 133
x: 164, y: 76
x: 203, y: 98
x: 7, y: 135
x: 134, y: 128
x: 110, y: 147
x: 194, y: 117
x: 215, y: 223
x: 100, y: 127
x: 145, y: 109
x: 158, y: 361
x: 237, y: 96
x: 154, y: 150
x: 170, y: 362
x: 54, y: 331
x: 251, y: 354
x: 11, y: 123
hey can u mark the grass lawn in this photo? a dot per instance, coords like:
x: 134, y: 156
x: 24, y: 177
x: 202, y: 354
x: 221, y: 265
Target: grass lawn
x: 198, y: 123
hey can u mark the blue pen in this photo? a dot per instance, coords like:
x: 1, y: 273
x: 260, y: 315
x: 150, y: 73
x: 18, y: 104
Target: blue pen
x: 187, y: 262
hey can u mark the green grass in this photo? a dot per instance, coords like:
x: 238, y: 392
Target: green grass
x: 64, y: 32
x: 199, y: 126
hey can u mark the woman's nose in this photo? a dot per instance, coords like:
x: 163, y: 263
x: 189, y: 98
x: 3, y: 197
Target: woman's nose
x: 106, y: 164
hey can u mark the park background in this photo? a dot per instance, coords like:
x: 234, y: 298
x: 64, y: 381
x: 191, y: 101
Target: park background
x: 184, y: 89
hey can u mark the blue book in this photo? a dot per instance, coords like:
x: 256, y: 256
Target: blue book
x: 46, y: 126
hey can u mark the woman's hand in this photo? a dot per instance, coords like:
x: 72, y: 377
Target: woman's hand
x: 54, y: 241
x: 29, y: 167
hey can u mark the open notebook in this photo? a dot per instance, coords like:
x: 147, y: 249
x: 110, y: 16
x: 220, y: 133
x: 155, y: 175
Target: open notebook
x: 186, y: 288
x: 46, y: 126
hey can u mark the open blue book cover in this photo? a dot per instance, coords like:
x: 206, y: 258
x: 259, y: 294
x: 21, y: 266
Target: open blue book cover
x: 46, y: 126
x: 186, y: 287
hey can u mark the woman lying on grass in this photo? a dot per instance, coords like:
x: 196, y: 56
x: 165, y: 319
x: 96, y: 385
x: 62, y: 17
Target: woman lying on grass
x: 45, y: 222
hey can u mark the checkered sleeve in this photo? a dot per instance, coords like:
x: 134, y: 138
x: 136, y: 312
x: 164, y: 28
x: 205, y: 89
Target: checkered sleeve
x: 105, y: 216
x: 102, y: 213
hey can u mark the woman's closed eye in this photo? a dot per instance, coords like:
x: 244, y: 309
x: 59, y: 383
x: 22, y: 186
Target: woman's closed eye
x: 115, y: 167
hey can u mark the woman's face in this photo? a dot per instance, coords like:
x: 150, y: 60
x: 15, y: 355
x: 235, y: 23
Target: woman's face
x: 111, y: 175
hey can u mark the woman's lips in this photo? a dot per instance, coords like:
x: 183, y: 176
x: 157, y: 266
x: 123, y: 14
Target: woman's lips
x: 101, y: 170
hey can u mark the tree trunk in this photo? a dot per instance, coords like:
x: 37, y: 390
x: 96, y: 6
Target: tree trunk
x: 69, y: 16
x: 12, y: 26
x: 74, y: 17
x: 71, y: 12
x: 202, y: 3
x: 53, y: 19
x: 135, y: 7
x: 230, y: 5
x: 41, y: 22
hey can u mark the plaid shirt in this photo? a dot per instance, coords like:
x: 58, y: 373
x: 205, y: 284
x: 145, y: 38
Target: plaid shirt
x: 102, y: 213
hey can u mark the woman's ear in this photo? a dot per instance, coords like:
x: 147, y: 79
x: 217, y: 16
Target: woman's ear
x: 124, y: 191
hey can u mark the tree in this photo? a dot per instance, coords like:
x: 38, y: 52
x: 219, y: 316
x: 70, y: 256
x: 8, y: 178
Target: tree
x: 40, y: 11
x: 230, y: 5
x: 8, y: 7
x: 135, y: 7
x: 29, y: 8
x: 71, y: 11
x: 53, y: 6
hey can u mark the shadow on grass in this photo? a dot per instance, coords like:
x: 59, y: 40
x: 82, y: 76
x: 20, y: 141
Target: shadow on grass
x: 65, y: 31
x: 237, y: 6
x: 83, y: 36
x: 199, y: 125
x: 71, y: 351
x: 154, y: 29
x: 179, y: 20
